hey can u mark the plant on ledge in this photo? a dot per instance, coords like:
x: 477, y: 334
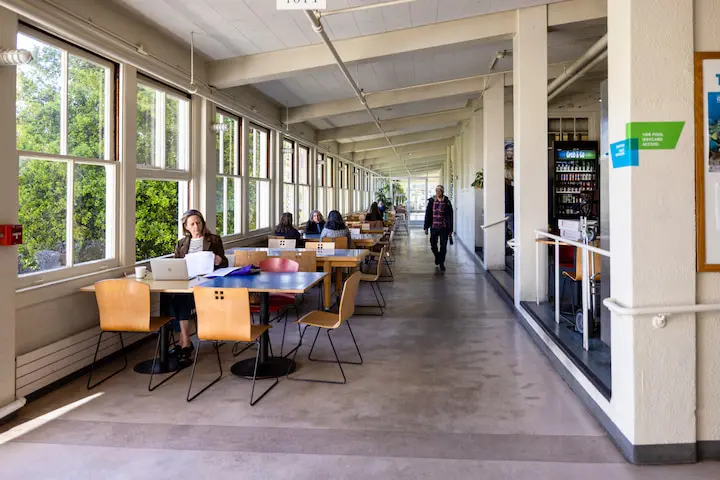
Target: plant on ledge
x: 479, y: 180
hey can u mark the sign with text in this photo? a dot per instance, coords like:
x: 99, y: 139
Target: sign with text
x: 655, y: 135
x: 301, y: 4
x: 625, y: 153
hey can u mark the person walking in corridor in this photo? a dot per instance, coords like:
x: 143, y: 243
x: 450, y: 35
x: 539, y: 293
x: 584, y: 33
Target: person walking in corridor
x: 439, y: 220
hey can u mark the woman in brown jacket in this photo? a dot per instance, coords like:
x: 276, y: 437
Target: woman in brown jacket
x: 197, y: 238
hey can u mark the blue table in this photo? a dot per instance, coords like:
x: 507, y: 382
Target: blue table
x: 266, y: 283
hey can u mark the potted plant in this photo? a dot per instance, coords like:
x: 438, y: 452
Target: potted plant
x: 479, y: 180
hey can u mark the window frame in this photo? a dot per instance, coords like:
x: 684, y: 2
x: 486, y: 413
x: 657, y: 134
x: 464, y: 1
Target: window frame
x: 110, y: 162
x: 292, y: 184
x: 299, y: 184
x: 268, y: 179
x: 236, y: 176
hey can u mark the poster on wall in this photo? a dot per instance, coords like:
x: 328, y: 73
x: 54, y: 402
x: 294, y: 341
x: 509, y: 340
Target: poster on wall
x: 707, y: 160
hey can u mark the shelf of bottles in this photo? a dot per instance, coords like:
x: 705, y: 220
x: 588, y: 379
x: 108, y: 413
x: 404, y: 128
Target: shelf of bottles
x: 575, y: 181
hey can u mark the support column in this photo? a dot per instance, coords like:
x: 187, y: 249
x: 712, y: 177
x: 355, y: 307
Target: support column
x: 205, y: 163
x: 476, y: 159
x: 494, y: 172
x: 531, y: 149
x: 8, y: 210
x: 652, y: 231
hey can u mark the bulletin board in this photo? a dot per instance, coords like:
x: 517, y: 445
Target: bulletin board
x: 707, y: 160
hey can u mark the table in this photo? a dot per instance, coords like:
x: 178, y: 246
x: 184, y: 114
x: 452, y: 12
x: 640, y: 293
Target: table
x: 329, y: 260
x: 165, y: 363
x: 362, y: 240
x: 266, y: 283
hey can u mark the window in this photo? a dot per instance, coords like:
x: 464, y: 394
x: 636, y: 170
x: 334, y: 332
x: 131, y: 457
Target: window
x: 358, y: 200
x: 288, y: 155
x: 344, y: 192
x: 330, y: 177
x: 320, y: 185
x: 67, y: 170
x: 163, y: 173
x: 228, y: 185
x: 303, y: 168
x: 259, y: 181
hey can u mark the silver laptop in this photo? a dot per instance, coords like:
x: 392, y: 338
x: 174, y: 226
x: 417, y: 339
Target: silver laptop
x: 169, y: 269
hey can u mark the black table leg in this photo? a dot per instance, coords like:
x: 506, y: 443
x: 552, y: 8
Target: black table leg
x: 165, y: 363
x: 268, y: 367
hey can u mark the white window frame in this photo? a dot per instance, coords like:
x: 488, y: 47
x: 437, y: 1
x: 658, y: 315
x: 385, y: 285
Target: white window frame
x: 292, y: 184
x: 234, y: 176
x: 266, y: 180
x: 112, y: 229
x: 306, y: 187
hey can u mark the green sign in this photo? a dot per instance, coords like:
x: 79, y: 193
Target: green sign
x: 655, y: 135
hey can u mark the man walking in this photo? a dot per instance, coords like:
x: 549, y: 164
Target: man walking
x: 439, y: 219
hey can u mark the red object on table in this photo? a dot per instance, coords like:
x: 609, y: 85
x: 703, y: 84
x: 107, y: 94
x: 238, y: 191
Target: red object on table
x: 10, y: 235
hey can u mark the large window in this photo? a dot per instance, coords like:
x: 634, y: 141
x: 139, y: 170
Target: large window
x: 163, y: 173
x: 289, y: 175
x: 320, y: 183
x: 358, y: 201
x: 303, y: 178
x: 259, y: 181
x: 228, y: 185
x: 330, y: 177
x: 67, y: 170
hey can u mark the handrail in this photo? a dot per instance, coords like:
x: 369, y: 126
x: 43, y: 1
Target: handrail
x: 660, y: 313
x: 590, y: 248
x: 488, y: 225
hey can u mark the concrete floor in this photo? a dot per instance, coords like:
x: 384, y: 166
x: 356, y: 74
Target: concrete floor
x: 452, y: 387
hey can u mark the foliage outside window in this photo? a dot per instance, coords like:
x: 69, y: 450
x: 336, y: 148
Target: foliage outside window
x: 259, y: 182
x: 65, y: 141
x: 303, y: 169
x: 228, y: 185
x: 288, y: 155
x: 320, y: 185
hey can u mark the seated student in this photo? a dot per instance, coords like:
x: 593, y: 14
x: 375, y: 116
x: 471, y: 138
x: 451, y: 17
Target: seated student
x: 381, y: 207
x: 335, y: 227
x: 374, y: 215
x: 316, y: 223
x: 197, y: 238
x: 286, y: 229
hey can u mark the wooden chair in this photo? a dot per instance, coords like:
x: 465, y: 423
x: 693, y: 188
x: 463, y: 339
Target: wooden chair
x: 354, y: 231
x: 224, y: 315
x: 249, y: 257
x: 320, y: 247
x: 575, y: 277
x: 124, y: 306
x: 341, y: 243
x: 307, y: 261
x: 329, y: 322
x: 374, y: 280
x: 282, y: 243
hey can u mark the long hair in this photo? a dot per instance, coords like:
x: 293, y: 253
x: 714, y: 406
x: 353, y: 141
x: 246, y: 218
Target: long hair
x: 286, y: 223
x: 335, y: 221
x: 374, y: 209
x: 320, y: 217
x: 194, y: 213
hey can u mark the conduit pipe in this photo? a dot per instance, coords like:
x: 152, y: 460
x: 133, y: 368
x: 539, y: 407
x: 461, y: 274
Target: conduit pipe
x: 318, y: 27
x: 597, y: 61
x: 593, y: 52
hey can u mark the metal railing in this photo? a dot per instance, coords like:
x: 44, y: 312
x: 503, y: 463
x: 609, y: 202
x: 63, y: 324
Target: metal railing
x: 588, y: 272
x: 488, y: 225
x: 660, y: 313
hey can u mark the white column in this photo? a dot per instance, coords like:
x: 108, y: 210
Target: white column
x: 477, y: 164
x: 652, y: 225
x: 205, y: 162
x: 531, y: 154
x: 128, y: 162
x: 8, y: 210
x: 245, y: 162
x: 494, y: 172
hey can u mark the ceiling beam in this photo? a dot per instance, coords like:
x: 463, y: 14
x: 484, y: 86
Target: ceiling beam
x: 406, y: 157
x: 415, y: 147
x: 396, y: 125
x: 243, y: 70
x: 399, y: 140
x: 389, y: 163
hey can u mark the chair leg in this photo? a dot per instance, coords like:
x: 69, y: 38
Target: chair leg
x: 337, y: 360
x: 192, y: 375
x: 253, y: 400
x: 152, y: 373
x: 92, y: 365
x: 235, y: 354
x: 378, y: 305
x: 384, y: 303
x: 319, y: 360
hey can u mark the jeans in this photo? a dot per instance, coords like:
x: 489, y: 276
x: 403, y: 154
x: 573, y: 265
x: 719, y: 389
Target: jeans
x: 179, y: 306
x: 442, y: 234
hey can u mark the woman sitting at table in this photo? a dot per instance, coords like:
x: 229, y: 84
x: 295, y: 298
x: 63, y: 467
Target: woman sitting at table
x: 286, y: 229
x: 197, y: 238
x: 316, y: 223
x: 335, y: 227
x: 374, y: 214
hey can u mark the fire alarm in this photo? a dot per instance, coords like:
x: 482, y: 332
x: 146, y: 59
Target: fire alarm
x: 10, y: 234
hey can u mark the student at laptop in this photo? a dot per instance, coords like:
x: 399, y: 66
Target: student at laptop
x: 197, y: 238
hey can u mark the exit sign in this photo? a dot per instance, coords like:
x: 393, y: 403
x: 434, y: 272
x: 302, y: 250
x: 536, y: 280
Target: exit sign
x: 301, y: 4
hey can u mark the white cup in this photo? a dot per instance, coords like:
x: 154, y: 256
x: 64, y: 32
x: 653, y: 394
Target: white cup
x: 140, y: 272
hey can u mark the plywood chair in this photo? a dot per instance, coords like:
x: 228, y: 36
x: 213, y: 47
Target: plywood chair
x: 354, y: 231
x: 330, y: 322
x: 224, y: 316
x: 124, y: 306
x: 341, y: 243
x: 320, y: 247
x: 374, y: 280
x: 307, y: 261
x: 249, y: 257
x: 573, y: 278
x: 282, y: 243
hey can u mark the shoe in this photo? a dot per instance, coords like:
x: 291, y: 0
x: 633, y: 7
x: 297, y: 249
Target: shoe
x: 437, y: 262
x: 442, y: 267
x: 175, y: 350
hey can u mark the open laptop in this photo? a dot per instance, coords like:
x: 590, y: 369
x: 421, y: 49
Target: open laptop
x: 193, y: 265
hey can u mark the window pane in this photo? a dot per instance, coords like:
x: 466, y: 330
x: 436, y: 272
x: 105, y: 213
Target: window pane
x: 329, y: 172
x: 303, y: 203
x: 146, y: 116
x: 320, y: 175
x: 156, y: 218
x: 330, y: 200
x: 287, y: 161
x: 289, y: 200
x: 90, y: 222
x: 42, y: 197
x: 258, y: 152
x: 303, y: 155
x: 86, y: 108
x: 220, y: 205
x: 231, y: 198
x: 320, y: 201
x: 176, y: 133
x: 228, y: 147
x: 259, y: 203
x: 38, y: 98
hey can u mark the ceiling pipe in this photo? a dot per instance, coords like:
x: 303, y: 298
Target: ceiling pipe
x: 594, y: 63
x: 598, y: 48
x: 318, y: 27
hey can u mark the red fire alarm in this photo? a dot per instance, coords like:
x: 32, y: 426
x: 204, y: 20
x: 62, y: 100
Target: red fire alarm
x: 10, y: 234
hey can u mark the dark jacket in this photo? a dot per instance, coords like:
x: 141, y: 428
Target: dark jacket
x: 211, y: 243
x: 448, y: 213
x: 313, y: 228
x: 374, y: 216
x: 291, y: 234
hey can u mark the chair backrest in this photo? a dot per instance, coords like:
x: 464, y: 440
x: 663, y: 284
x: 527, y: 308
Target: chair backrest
x: 223, y: 314
x: 365, y: 226
x: 124, y: 305
x: 354, y: 231
x: 306, y: 260
x: 378, y: 273
x: 341, y: 242
x: 279, y: 265
x: 347, y: 301
x: 249, y: 257
x: 320, y: 246
x: 282, y: 243
x: 577, y: 275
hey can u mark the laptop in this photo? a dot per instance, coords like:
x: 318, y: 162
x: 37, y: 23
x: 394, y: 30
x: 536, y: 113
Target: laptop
x: 169, y: 269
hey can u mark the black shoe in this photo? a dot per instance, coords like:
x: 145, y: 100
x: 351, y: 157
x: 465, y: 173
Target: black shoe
x: 442, y: 267
x: 437, y: 262
x: 175, y: 350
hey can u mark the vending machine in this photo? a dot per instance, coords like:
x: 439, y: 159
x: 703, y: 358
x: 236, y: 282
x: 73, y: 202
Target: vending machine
x: 575, y: 184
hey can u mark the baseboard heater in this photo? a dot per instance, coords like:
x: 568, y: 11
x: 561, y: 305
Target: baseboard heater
x: 41, y: 367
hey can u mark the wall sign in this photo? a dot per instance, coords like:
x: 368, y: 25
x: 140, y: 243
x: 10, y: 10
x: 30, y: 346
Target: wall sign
x: 655, y: 135
x: 301, y: 4
x: 625, y: 153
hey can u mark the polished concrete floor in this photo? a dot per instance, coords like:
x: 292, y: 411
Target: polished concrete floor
x: 452, y: 388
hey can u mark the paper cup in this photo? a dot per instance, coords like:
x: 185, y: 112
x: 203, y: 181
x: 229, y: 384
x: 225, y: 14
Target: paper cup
x: 140, y: 272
